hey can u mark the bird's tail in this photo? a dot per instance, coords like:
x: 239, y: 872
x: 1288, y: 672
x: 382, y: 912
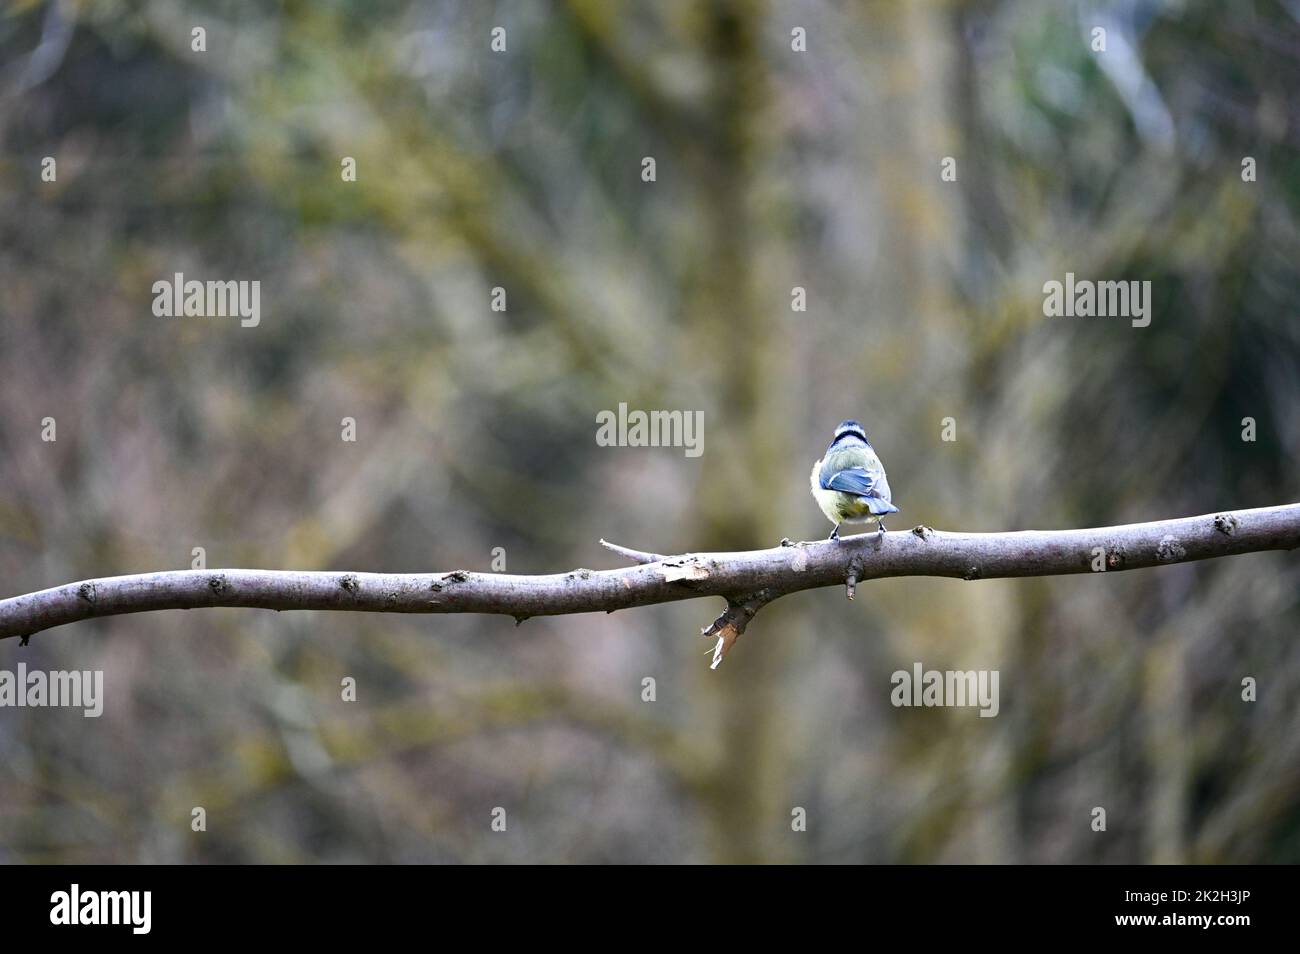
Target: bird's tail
x: 879, y: 507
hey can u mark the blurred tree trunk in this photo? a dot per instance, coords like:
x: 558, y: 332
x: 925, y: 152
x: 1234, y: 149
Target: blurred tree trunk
x: 731, y: 332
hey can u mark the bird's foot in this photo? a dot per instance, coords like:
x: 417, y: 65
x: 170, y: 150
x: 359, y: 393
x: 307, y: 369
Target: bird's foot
x: 835, y: 534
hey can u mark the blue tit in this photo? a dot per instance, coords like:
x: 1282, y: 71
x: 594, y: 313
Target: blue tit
x: 849, y: 482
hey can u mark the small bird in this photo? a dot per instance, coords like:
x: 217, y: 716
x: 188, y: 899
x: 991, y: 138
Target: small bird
x: 849, y: 482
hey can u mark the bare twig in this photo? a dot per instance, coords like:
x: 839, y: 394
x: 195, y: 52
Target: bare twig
x: 747, y: 580
x: 730, y: 625
x: 636, y: 556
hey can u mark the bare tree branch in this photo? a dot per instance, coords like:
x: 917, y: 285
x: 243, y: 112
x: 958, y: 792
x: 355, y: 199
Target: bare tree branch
x: 748, y: 580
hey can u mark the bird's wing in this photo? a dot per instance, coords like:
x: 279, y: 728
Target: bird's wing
x: 860, y: 474
x: 852, y: 480
x: 858, y: 463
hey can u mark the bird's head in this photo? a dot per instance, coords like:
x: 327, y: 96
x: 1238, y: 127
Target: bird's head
x: 848, y: 434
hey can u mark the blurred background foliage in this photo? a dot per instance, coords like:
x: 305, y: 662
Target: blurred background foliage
x: 476, y: 428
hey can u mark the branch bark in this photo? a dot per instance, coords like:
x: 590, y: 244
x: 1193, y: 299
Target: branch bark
x: 748, y: 580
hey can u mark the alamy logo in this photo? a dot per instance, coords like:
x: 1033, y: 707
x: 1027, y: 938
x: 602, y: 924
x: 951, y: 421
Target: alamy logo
x: 1089, y: 299
x: 651, y: 429
x: 952, y: 687
x: 195, y: 299
x: 76, y: 688
x: 103, y: 907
